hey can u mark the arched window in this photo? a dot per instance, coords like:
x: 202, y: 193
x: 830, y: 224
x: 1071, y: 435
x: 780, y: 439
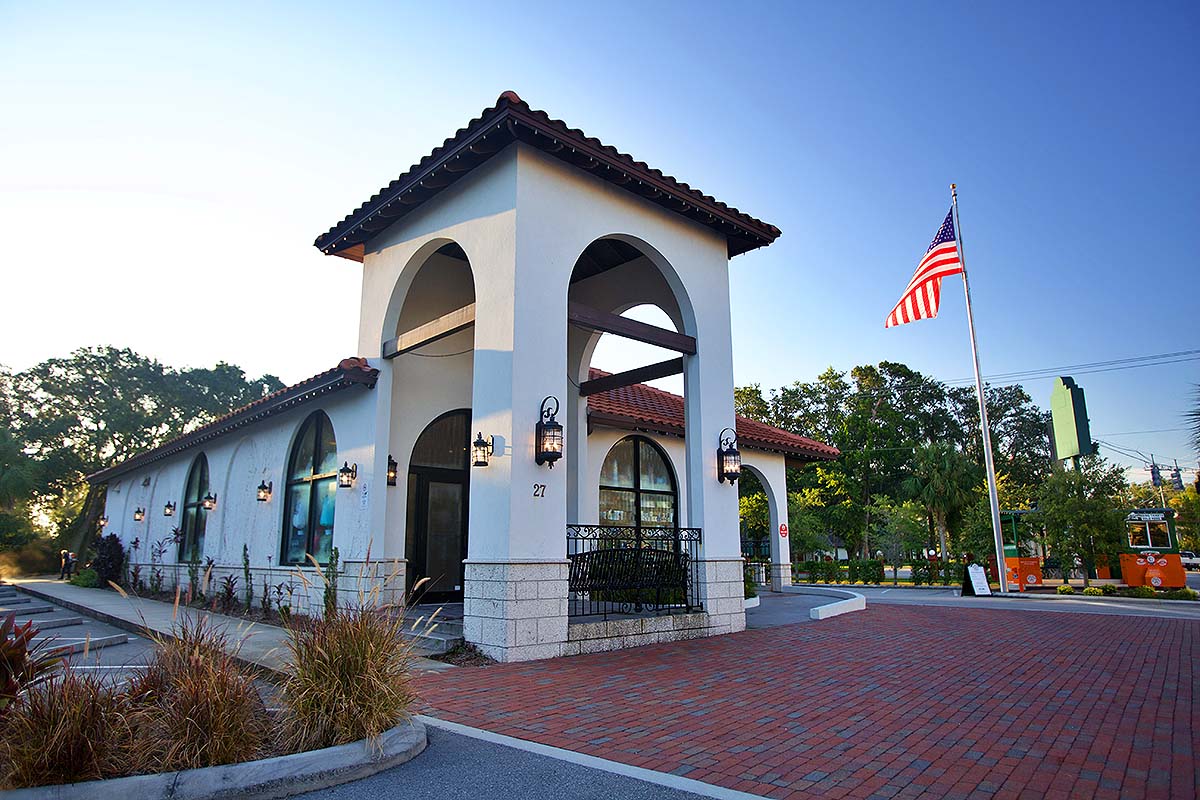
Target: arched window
x: 311, y: 493
x: 195, y: 517
x: 637, y: 487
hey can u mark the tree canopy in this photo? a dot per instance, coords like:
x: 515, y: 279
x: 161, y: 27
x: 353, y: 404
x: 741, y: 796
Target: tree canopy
x: 880, y: 417
x: 66, y: 418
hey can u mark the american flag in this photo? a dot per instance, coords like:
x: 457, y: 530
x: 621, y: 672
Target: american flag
x: 924, y: 291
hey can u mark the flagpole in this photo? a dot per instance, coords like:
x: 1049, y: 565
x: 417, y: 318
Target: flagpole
x: 993, y: 499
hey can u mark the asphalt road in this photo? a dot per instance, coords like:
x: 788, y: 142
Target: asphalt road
x: 1075, y: 604
x: 463, y: 768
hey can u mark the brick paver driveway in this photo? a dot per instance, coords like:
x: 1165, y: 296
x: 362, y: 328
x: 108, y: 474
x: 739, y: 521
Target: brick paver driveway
x: 890, y: 702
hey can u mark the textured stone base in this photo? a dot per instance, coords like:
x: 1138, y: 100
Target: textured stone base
x: 616, y: 634
x: 516, y: 610
x: 781, y: 575
x: 722, y: 594
x: 375, y: 583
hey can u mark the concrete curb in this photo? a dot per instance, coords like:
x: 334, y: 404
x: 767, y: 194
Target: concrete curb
x: 849, y: 602
x: 281, y: 776
x: 752, y: 602
x: 139, y: 629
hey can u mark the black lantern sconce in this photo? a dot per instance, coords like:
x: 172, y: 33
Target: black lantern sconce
x: 139, y: 514
x: 104, y: 522
x: 347, y: 475
x: 263, y: 493
x: 549, y: 434
x: 392, y: 468
x: 209, y: 502
x: 481, y: 450
x: 729, y: 460
x: 169, y: 509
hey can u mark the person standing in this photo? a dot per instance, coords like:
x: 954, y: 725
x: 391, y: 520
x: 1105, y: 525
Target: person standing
x: 64, y: 558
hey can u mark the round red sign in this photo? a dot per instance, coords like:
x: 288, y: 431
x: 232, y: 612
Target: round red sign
x: 783, y: 529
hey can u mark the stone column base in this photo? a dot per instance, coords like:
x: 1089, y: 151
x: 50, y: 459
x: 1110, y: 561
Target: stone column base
x: 373, y: 583
x: 781, y: 575
x: 723, y: 593
x: 516, y: 610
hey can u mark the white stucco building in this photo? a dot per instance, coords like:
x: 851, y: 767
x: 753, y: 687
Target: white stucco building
x: 489, y: 272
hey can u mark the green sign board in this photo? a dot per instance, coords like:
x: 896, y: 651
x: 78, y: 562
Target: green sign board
x: 1069, y: 420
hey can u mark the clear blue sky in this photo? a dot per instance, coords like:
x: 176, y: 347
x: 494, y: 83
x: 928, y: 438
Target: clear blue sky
x: 164, y: 169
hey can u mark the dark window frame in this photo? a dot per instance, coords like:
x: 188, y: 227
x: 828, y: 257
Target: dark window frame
x: 187, y: 538
x: 636, y: 490
x: 315, y: 481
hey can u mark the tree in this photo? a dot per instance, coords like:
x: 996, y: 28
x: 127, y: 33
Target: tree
x: 77, y: 415
x: 1083, y: 513
x: 941, y: 479
x: 900, y: 530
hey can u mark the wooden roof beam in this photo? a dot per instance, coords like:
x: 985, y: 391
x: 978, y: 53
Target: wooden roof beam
x: 594, y: 320
x: 457, y: 320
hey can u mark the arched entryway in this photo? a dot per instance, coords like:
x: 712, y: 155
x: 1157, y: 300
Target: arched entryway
x: 438, y: 488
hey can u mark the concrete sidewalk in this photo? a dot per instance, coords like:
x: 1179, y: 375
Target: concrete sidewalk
x: 262, y: 646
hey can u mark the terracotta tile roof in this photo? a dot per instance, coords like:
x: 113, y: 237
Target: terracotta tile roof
x: 349, y: 372
x: 644, y: 407
x: 511, y: 119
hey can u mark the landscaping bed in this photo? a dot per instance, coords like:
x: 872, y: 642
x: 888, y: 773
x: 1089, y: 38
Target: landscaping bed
x: 196, y: 707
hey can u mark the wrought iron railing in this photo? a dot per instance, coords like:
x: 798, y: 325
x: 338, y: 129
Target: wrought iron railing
x: 622, y: 569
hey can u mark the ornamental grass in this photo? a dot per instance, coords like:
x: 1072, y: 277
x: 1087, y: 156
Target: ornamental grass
x: 69, y: 728
x: 196, y: 706
x: 349, y: 678
x: 350, y: 671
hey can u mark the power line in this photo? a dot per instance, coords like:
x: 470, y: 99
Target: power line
x: 1033, y: 374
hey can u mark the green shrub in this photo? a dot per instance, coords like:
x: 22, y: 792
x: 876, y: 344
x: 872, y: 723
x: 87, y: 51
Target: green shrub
x: 1182, y: 594
x: 1094, y: 591
x: 920, y: 572
x: 87, y: 578
x: 1108, y: 590
x: 1140, y: 593
x: 1066, y: 589
x: 868, y: 571
x: 69, y: 729
x: 349, y: 678
x: 109, y: 562
x: 196, y: 707
x: 748, y: 584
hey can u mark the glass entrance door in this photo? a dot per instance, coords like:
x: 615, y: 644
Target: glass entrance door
x: 438, y: 489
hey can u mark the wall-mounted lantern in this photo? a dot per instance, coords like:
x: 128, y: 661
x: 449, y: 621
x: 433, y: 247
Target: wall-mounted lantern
x: 104, y: 522
x: 263, y: 493
x: 169, y: 509
x: 481, y: 450
x: 347, y: 475
x: 139, y: 514
x: 729, y: 460
x: 391, y: 470
x: 549, y: 434
x: 209, y: 502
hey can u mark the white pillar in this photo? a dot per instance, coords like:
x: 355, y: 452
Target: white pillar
x: 516, y: 569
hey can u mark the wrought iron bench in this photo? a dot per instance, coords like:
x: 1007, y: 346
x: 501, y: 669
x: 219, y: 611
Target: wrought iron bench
x: 631, y: 570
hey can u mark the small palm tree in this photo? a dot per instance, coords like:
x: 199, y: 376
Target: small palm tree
x: 941, y: 479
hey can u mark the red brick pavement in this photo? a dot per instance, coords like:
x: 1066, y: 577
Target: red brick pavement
x: 891, y: 702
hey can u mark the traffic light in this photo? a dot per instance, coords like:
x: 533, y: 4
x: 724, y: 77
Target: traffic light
x: 1177, y: 480
x: 1155, y: 475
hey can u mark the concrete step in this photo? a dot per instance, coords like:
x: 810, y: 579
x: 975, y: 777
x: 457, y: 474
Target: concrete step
x: 434, y: 643
x: 46, y: 623
x: 27, y: 610
x: 63, y: 645
x: 14, y: 599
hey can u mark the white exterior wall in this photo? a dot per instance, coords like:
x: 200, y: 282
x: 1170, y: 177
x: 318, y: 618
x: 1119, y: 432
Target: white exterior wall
x: 771, y: 470
x: 237, y: 463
